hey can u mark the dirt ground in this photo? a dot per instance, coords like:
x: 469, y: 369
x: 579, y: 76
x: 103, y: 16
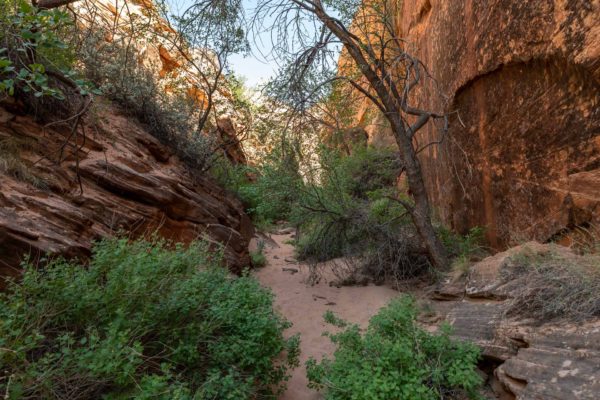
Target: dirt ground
x: 304, y: 305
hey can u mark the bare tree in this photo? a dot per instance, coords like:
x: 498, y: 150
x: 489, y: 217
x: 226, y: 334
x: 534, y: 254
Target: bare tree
x: 308, y: 35
x: 207, y: 33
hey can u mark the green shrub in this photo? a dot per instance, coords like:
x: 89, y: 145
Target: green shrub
x: 37, y: 63
x: 368, y: 170
x: 332, y: 225
x: 258, y: 257
x: 169, y: 116
x: 395, y: 359
x: 332, y: 212
x: 269, y: 192
x: 273, y: 194
x: 350, y: 213
x: 27, y: 35
x: 463, y: 249
x: 463, y: 246
x: 141, y: 321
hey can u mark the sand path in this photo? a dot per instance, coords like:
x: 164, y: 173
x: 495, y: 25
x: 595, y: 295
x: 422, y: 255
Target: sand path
x: 304, y: 305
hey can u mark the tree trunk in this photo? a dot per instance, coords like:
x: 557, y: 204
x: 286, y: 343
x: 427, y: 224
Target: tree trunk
x: 390, y: 106
x: 421, y: 213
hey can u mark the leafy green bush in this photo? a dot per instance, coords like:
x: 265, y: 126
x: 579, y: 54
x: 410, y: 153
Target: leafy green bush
x: 141, y: 321
x: 332, y: 224
x: 269, y: 192
x: 468, y: 245
x: 463, y: 249
x: 395, y: 359
x: 349, y: 195
x: 273, y: 194
x: 367, y: 170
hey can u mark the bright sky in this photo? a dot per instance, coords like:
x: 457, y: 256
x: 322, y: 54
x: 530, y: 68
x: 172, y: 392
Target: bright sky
x: 255, y: 67
x: 255, y: 71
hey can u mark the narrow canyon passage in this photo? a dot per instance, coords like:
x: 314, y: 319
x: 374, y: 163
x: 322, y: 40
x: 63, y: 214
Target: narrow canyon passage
x: 304, y: 305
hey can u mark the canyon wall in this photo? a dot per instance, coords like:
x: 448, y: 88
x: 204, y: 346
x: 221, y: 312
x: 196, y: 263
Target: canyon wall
x: 62, y: 190
x: 117, y: 178
x: 522, y: 157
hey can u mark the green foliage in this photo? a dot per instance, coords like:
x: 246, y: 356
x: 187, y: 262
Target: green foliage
x: 366, y: 171
x: 395, y: 359
x: 170, y: 117
x: 231, y: 177
x: 351, y: 211
x: 463, y: 245
x: 334, y: 320
x: 141, y: 321
x: 345, y: 9
x: 258, y: 257
x: 384, y: 209
x: 332, y: 223
x: 215, y: 25
x: 33, y: 50
x: 269, y: 192
x: 273, y: 193
x: 463, y: 249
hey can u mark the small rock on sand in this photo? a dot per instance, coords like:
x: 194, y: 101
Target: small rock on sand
x: 291, y: 270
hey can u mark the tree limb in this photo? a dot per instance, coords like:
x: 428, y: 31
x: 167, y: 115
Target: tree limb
x: 49, y: 4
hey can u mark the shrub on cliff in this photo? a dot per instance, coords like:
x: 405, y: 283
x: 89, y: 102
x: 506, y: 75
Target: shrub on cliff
x: 395, y: 359
x: 169, y: 115
x: 141, y: 321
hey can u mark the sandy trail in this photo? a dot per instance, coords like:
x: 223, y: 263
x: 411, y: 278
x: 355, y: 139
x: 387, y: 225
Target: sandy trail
x: 304, y: 305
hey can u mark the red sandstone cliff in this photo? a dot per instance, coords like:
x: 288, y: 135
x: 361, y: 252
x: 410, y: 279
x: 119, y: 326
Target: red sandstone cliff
x: 525, y: 79
x: 129, y: 182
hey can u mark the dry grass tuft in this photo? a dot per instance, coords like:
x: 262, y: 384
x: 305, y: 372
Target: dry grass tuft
x: 555, y: 285
x: 12, y: 164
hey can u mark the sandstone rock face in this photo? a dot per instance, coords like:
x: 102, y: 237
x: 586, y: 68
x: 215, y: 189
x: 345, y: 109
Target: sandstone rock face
x: 524, y: 76
x: 139, y: 25
x: 525, y: 79
x: 129, y: 183
x: 553, y: 361
x: 229, y: 141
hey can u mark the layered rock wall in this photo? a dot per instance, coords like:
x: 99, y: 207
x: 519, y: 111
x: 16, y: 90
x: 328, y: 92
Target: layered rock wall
x: 526, y: 359
x: 119, y: 178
